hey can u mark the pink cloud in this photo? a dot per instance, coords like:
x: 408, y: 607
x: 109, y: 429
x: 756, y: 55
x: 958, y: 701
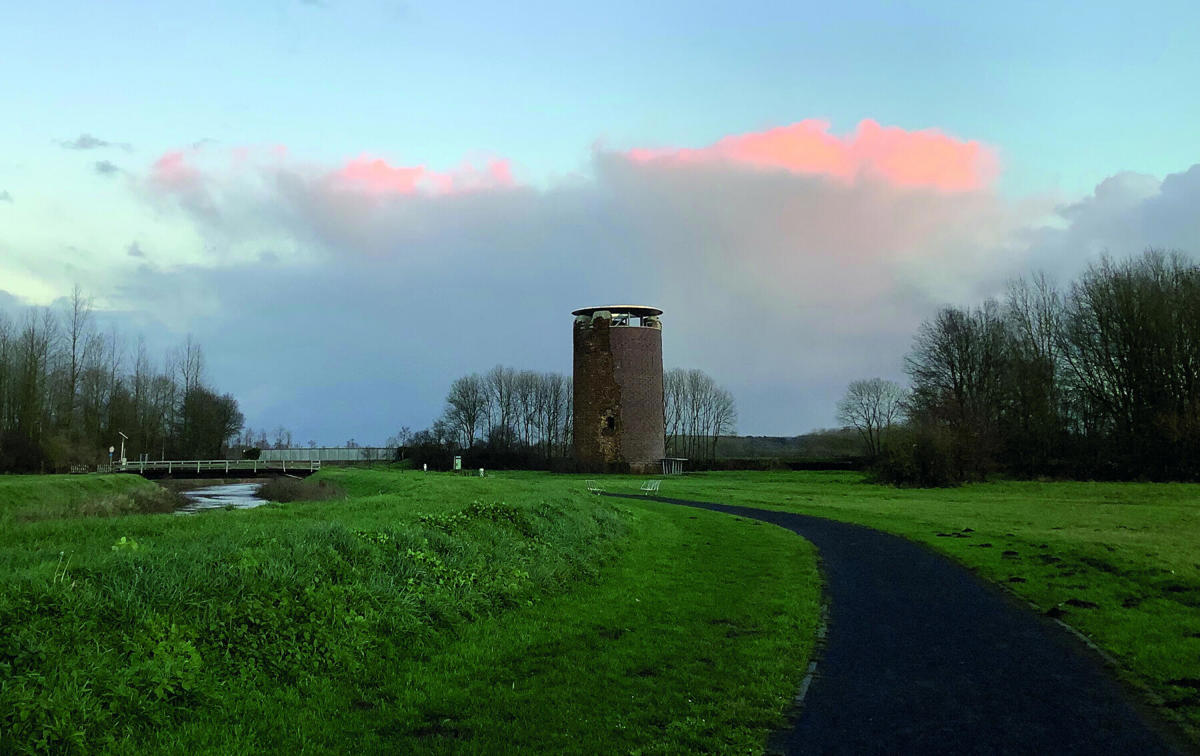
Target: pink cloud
x: 375, y: 176
x: 926, y: 158
x: 171, y: 172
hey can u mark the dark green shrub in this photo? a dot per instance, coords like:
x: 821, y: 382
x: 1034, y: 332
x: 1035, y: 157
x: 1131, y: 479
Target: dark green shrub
x: 923, y: 457
x: 290, y: 489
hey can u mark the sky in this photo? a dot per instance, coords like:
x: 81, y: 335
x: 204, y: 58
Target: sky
x: 350, y: 204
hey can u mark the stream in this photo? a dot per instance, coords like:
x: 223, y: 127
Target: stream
x: 237, y: 495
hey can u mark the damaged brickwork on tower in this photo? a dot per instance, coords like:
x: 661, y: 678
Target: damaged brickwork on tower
x: 618, y: 389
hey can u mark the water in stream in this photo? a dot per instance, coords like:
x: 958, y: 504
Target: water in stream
x: 238, y: 495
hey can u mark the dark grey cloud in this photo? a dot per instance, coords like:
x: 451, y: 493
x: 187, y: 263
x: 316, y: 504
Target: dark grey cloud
x: 106, y: 168
x: 135, y: 250
x: 5, y: 196
x: 89, y: 142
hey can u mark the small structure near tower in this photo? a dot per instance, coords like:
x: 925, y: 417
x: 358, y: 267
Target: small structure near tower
x: 618, y: 417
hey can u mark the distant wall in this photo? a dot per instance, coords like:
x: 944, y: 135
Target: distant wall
x: 331, y: 454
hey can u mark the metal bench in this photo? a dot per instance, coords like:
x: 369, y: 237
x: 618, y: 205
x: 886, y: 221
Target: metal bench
x: 594, y: 487
x: 650, y: 486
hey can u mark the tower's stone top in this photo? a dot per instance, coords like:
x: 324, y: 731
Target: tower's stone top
x: 634, y: 311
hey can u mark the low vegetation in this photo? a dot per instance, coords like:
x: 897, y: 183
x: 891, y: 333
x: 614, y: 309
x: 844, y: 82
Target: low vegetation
x: 424, y: 613
x: 284, y: 490
x: 26, y: 497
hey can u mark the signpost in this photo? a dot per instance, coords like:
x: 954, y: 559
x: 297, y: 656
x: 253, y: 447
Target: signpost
x: 457, y: 463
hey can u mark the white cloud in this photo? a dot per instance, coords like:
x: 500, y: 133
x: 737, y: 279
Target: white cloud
x: 1126, y: 214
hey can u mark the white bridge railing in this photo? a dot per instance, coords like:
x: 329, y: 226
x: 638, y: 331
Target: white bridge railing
x: 227, y: 465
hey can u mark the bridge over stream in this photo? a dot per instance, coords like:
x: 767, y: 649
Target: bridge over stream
x: 219, y: 468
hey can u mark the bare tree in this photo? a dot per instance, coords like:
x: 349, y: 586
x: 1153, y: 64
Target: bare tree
x: 282, y: 438
x: 501, y: 405
x: 554, y: 395
x: 466, y: 406
x: 723, y: 418
x: 958, y: 368
x: 37, y: 336
x: 7, y: 350
x: 526, y: 389
x: 1035, y: 410
x: 872, y: 407
x: 403, y: 437
x: 190, y: 364
x: 78, y: 320
x: 674, y: 408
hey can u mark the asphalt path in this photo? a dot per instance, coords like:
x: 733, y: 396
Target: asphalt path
x: 921, y: 656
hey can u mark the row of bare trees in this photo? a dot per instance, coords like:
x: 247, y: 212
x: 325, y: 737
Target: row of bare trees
x: 696, y: 413
x: 1100, y: 378
x: 67, y: 390
x: 509, y: 411
x: 529, y: 415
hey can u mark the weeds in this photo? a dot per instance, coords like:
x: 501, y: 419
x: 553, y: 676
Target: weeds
x: 285, y: 490
x: 154, y: 500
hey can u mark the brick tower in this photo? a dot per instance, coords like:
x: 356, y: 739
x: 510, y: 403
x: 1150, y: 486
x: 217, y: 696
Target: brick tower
x: 618, y: 389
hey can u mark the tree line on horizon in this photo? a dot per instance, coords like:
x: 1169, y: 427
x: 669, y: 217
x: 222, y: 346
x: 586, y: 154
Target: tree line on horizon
x: 1097, y: 379
x: 522, y: 418
x: 67, y: 390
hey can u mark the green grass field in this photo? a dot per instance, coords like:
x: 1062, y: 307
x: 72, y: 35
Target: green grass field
x: 442, y: 614
x: 418, y: 613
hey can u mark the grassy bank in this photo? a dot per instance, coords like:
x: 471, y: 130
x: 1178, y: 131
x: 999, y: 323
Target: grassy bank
x: 1120, y: 562
x: 24, y: 498
x: 424, y: 613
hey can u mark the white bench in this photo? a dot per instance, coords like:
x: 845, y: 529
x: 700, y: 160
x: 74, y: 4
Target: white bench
x: 650, y: 486
x: 594, y: 487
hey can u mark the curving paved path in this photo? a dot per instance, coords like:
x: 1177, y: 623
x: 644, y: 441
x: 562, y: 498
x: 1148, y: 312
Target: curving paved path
x: 923, y: 657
